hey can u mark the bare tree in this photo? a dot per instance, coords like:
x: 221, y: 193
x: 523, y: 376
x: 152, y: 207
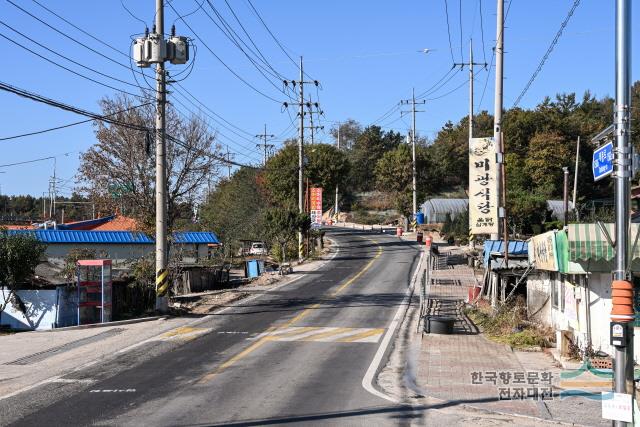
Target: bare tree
x: 118, y: 172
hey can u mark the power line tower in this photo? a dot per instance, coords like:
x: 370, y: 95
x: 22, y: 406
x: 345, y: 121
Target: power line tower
x: 413, y: 102
x: 148, y: 50
x: 266, y: 147
x: 300, y: 104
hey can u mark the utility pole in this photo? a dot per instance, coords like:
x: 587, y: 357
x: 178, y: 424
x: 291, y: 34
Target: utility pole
x: 413, y: 111
x: 313, y: 128
x: 575, y: 177
x: 148, y: 50
x: 228, y: 163
x: 301, y: 105
x: 336, y: 209
x: 162, y: 282
x: 470, y: 64
x: 265, y: 137
x: 565, y: 195
x: 622, y: 312
x: 497, y: 130
x: 301, y: 163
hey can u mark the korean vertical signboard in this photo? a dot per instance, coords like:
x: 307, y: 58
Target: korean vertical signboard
x: 315, y: 205
x: 483, y: 186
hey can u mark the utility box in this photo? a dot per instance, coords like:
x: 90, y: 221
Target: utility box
x: 139, y: 52
x: 178, y: 50
x: 155, y: 49
x: 94, y: 291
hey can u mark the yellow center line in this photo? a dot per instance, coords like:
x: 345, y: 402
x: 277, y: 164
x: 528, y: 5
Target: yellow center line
x: 266, y: 334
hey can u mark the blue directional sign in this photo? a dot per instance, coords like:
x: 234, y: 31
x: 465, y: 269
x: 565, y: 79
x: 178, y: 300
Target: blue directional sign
x: 603, y: 161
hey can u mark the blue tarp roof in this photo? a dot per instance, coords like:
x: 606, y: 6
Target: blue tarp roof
x: 516, y: 247
x: 79, y: 236
x: 205, y: 237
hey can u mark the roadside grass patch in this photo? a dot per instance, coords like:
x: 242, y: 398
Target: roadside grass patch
x: 508, y: 324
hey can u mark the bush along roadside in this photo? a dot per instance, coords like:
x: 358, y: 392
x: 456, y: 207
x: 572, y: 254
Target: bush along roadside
x: 508, y: 324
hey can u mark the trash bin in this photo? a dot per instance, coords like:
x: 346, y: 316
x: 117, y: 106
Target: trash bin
x: 439, y: 325
x: 419, y: 218
x: 419, y: 237
x: 398, y: 231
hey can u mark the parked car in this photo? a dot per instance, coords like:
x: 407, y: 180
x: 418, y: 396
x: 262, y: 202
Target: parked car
x: 258, y: 248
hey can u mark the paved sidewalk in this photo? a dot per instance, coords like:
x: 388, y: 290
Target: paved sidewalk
x: 447, y: 363
x: 466, y: 368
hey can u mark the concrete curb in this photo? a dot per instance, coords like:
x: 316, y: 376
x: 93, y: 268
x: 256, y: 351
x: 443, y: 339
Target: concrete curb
x: 107, y: 324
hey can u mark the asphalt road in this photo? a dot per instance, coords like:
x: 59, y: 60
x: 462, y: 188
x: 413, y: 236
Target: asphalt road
x: 294, y: 355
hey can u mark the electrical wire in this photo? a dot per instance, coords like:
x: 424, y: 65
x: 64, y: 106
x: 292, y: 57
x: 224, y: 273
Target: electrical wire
x: 576, y: 3
x: 446, y: 10
x: 460, y: 20
x: 103, y: 118
x: 63, y: 56
x: 131, y: 13
x: 35, y: 160
x: 7, y: 138
x: 484, y: 54
x: 236, y: 40
x: 266, y: 62
x: 67, y: 68
x: 81, y: 30
x: 493, y: 56
x: 222, y: 62
x: 280, y: 45
x: 242, y: 151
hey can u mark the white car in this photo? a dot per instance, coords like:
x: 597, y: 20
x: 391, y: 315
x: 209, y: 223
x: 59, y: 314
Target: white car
x: 258, y: 248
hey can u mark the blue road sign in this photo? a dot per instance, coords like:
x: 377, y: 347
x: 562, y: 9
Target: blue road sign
x: 603, y: 161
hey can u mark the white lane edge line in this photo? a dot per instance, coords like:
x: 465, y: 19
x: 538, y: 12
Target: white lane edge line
x: 369, y: 376
x: 194, y: 322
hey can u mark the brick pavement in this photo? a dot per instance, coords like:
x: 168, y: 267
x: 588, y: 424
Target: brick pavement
x: 446, y: 362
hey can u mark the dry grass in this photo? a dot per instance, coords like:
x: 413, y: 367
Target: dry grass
x: 508, y: 324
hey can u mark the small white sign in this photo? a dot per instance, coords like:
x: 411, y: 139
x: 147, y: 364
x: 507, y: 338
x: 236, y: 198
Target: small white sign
x: 617, y: 406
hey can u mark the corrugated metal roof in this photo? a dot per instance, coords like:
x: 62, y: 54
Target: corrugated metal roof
x: 206, y: 237
x: 445, y: 206
x: 557, y: 208
x: 516, y: 247
x: 78, y: 236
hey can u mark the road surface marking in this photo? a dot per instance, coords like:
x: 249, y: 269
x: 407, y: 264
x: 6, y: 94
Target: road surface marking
x: 361, y: 272
x: 107, y: 390
x: 369, y: 376
x: 183, y: 333
x: 266, y: 335
x: 326, y: 334
x: 372, y: 335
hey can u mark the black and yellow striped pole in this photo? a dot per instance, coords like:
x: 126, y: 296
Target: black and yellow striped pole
x: 162, y: 283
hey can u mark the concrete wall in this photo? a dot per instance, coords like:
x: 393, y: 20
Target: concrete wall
x: 119, y: 253
x: 46, y: 309
x: 567, y: 313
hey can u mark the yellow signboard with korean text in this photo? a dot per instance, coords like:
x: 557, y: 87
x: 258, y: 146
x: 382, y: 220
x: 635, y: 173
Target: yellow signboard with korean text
x: 483, y: 187
x: 542, y: 251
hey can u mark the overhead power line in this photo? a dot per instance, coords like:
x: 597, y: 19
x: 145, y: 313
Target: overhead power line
x: 135, y: 71
x: 446, y: 11
x: 255, y: 89
x: 99, y: 117
x: 547, y: 53
x: 38, y: 132
x: 484, y: 54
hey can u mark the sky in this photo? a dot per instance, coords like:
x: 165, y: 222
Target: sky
x: 366, y: 54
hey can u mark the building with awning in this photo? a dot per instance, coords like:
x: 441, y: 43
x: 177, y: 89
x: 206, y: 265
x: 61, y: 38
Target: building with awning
x: 569, y: 287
